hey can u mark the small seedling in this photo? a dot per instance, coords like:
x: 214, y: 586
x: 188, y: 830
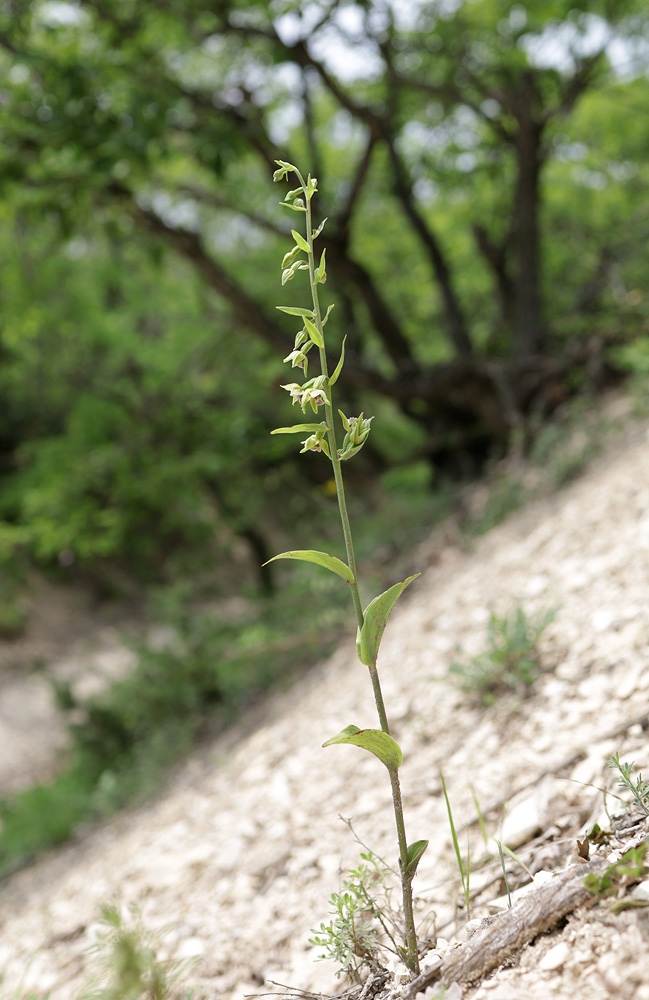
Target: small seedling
x: 129, y: 965
x: 639, y: 790
x: 511, y: 660
x: 464, y: 867
x: 315, y: 395
x: 630, y: 868
x: 504, y: 870
x: 361, y: 920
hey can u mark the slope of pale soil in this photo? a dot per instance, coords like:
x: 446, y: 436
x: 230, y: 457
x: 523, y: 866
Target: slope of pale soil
x: 242, y: 851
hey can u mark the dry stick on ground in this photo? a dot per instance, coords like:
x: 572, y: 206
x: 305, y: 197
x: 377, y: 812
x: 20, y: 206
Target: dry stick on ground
x: 501, y: 937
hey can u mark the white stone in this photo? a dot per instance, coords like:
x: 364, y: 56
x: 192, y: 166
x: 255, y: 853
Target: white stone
x: 191, y: 947
x: 602, y: 619
x: 641, y: 891
x: 525, y: 817
x: 555, y: 957
x: 536, y: 585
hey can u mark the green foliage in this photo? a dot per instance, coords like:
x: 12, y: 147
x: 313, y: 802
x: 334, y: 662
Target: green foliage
x: 131, y: 380
x: 361, y: 920
x: 505, y: 496
x: 130, y: 967
x: 13, y: 616
x: 124, y: 739
x: 511, y: 660
x: 126, y: 446
x: 639, y: 789
x: 565, y: 445
x: 630, y: 868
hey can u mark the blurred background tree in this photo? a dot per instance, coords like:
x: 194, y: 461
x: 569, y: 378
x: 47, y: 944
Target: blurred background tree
x: 483, y: 169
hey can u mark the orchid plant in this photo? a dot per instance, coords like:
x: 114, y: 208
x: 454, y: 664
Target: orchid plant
x: 316, y: 396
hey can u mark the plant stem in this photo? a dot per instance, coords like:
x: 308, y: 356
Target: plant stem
x: 406, y: 877
x: 411, y: 957
x: 331, y: 427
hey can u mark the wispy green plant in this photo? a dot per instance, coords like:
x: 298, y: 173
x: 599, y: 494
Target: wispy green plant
x: 504, y: 871
x: 630, y: 868
x: 511, y: 660
x: 639, y: 789
x: 463, y: 866
x: 481, y: 819
x: 315, y: 395
x: 361, y: 920
x: 129, y: 965
x: 503, y: 849
x: 506, y: 495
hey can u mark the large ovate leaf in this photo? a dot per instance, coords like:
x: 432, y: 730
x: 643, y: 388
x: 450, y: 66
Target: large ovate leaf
x: 375, y: 618
x: 320, y: 559
x: 375, y: 740
x: 415, y: 854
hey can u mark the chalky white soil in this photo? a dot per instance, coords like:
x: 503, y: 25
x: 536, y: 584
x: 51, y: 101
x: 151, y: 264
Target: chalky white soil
x: 239, y: 855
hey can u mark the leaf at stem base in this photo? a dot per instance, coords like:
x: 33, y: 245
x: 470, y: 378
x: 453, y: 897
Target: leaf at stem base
x: 415, y: 854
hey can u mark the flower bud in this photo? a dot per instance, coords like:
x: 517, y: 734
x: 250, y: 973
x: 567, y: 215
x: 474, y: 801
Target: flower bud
x: 358, y: 430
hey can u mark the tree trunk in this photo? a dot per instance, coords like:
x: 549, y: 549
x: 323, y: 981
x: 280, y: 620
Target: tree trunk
x: 528, y: 319
x: 455, y: 323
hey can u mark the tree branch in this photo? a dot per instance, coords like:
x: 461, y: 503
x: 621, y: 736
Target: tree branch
x: 455, y: 322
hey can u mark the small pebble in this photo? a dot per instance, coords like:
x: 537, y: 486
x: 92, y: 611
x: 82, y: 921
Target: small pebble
x: 555, y: 957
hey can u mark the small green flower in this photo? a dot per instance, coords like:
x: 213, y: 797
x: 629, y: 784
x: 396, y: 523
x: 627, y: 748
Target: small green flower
x: 298, y: 359
x: 311, y: 393
x: 317, y: 442
x: 295, y: 391
x: 315, y: 397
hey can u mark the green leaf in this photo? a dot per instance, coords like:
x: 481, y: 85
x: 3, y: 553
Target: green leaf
x: 375, y: 618
x: 415, y: 853
x: 374, y: 740
x: 301, y: 242
x: 339, y: 366
x: 326, y: 315
x: 321, y: 273
x: 316, y: 232
x: 296, y: 206
x: 311, y: 186
x: 313, y: 332
x: 295, y: 311
x: 321, y: 559
x: 299, y: 429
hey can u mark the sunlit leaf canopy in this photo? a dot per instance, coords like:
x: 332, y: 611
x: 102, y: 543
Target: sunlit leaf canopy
x: 482, y: 167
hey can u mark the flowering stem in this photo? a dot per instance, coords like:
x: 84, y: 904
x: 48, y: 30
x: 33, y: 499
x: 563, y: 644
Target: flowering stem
x: 331, y: 426
x: 412, y: 957
x: 320, y: 393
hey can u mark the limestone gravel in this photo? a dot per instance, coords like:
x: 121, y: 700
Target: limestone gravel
x: 241, y: 851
